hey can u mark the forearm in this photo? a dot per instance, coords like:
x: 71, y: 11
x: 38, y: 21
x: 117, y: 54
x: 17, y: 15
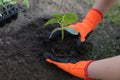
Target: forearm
x: 103, y: 5
x: 106, y: 69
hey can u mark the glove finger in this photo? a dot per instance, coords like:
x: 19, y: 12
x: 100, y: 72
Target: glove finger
x: 63, y: 66
x: 52, y: 62
x: 49, y: 60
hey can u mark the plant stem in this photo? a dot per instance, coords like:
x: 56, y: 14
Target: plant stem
x: 62, y: 27
x: 5, y: 6
x: 62, y: 32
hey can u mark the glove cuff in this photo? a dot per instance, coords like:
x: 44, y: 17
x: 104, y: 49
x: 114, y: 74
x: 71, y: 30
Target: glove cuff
x: 93, y: 18
x: 86, y: 70
x: 83, y: 69
x: 100, y: 13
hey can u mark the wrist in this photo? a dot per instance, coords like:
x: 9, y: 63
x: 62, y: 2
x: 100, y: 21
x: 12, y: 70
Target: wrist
x: 80, y: 69
x: 98, y: 11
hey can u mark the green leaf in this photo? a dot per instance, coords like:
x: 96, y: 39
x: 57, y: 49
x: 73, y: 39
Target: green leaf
x: 51, y: 21
x: 56, y: 29
x: 26, y: 2
x: 13, y: 1
x: 1, y: 2
x: 57, y: 16
x: 0, y: 15
x: 71, y: 30
x: 5, y: 2
x: 63, y: 21
x: 69, y: 18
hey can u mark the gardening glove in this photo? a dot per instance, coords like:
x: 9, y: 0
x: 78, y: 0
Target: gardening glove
x: 72, y: 65
x: 88, y: 24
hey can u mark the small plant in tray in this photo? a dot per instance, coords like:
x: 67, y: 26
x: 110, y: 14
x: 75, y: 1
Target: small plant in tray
x: 9, y: 10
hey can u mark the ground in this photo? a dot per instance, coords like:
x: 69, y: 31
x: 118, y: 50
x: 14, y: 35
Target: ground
x: 22, y: 43
x: 20, y: 55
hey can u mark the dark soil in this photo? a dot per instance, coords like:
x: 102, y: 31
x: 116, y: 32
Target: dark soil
x: 21, y: 46
x: 20, y: 55
x: 69, y: 46
x: 63, y: 47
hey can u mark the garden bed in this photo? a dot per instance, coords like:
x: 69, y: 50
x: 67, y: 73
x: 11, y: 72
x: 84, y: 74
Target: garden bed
x: 22, y: 44
x: 21, y: 54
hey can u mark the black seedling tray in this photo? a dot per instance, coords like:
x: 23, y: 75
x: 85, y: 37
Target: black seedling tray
x: 8, y: 14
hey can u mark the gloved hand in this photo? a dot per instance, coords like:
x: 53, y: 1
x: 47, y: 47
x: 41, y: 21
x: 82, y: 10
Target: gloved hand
x: 88, y: 24
x: 72, y: 65
x: 84, y: 28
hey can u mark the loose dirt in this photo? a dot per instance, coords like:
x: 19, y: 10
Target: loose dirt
x: 22, y: 41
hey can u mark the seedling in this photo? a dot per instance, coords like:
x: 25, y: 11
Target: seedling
x: 63, y: 20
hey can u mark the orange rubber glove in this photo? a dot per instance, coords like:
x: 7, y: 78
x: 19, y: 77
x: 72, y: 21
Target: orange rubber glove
x: 78, y: 69
x: 88, y: 24
x: 71, y: 64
